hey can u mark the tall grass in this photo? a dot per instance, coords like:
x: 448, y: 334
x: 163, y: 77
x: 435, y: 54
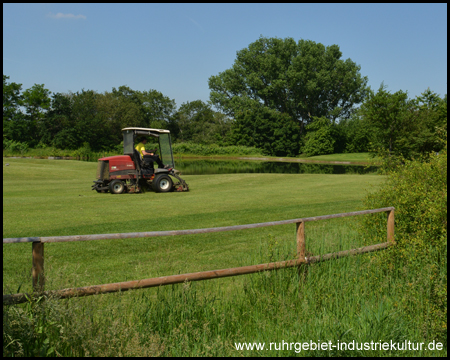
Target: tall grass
x: 338, y: 301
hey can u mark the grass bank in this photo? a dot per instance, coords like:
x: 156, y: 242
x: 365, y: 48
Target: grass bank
x: 352, y: 157
x: 331, y: 301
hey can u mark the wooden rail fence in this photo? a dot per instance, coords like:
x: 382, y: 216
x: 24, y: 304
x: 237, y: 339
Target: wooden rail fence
x: 38, y: 277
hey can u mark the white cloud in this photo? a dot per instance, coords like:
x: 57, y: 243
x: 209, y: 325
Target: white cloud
x: 66, y: 16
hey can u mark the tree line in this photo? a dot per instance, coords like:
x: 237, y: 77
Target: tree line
x: 282, y: 96
x: 68, y: 121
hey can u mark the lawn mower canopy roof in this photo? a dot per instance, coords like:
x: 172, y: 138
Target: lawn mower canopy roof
x: 145, y: 131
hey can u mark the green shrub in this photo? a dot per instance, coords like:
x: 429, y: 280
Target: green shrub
x: 83, y: 152
x: 6, y: 143
x: 15, y: 146
x: 319, y: 139
x: 418, y: 191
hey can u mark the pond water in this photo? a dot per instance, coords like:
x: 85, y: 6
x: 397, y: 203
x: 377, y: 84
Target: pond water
x: 204, y: 167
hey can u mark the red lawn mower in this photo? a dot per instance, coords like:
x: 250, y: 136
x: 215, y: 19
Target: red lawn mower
x: 130, y: 173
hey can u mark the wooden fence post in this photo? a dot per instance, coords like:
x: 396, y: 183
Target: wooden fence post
x: 38, y: 266
x: 301, y: 244
x: 301, y: 253
x: 390, y: 227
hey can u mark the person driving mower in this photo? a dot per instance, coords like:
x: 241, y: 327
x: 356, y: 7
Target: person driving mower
x: 149, y: 156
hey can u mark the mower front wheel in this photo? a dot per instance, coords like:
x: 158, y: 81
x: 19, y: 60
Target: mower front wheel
x: 162, y: 183
x: 116, y: 187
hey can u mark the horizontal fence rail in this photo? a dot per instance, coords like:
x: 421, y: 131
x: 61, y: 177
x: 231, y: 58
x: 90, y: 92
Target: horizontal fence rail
x: 53, y: 239
x: 38, y: 257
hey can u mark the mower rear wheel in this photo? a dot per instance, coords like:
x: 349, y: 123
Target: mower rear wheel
x: 162, y: 183
x: 116, y: 187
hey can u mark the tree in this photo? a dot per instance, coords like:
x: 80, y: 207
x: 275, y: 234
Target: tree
x: 273, y: 132
x: 158, y: 109
x: 385, y: 113
x: 405, y: 128
x: 300, y: 80
x: 88, y: 126
x: 223, y: 126
x: 58, y: 124
x: 319, y: 140
x: 356, y: 133
x: 12, y: 116
x: 12, y: 99
x: 118, y: 111
x: 18, y: 126
x: 430, y: 118
x: 36, y: 101
x: 196, y: 121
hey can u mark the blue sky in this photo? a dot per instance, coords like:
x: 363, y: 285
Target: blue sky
x: 175, y: 48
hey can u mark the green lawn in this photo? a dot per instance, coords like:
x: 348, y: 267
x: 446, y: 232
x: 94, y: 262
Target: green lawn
x: 53, y: 197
